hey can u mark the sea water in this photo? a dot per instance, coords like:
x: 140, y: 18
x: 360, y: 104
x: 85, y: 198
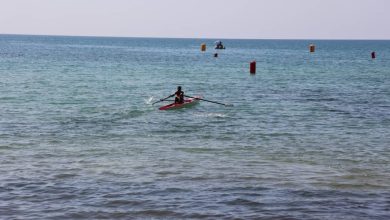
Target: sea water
x: 307, y: 137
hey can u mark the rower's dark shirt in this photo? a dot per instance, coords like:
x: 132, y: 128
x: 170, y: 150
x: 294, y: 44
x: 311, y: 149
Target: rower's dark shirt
x: 180, y: 96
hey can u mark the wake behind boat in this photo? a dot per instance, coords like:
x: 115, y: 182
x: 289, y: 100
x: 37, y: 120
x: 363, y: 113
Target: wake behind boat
x: 187, y: 103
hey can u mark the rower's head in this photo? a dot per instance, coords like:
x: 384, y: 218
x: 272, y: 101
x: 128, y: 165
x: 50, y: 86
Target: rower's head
x: 179, y: 88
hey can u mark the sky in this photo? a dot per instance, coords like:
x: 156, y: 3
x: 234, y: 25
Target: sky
x: 244, y: 19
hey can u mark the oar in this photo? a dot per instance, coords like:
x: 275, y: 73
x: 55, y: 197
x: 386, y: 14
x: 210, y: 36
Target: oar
x: 209, y: 101
x: 161, y: 100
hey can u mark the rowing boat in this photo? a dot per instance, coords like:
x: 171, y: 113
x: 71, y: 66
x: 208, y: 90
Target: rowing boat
x: 187, y: 103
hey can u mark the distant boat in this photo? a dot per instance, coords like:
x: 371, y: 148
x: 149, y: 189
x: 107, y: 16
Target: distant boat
x: 219, y: 45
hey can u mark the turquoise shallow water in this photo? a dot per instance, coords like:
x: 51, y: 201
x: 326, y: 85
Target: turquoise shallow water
x: 308, y: 136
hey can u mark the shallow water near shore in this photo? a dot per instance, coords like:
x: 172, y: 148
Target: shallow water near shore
x: 307, y: 137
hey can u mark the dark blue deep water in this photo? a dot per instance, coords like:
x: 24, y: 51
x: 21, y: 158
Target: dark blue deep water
x: 308, y: 136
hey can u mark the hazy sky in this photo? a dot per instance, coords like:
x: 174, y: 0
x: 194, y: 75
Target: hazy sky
x: 297, y: 19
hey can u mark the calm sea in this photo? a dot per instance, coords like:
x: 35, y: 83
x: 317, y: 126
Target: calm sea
x: 308, y: 136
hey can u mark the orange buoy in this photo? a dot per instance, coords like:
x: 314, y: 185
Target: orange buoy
x: 203, y: 47
x: 312, y: 48
x: 373, y: 56
x: 252, y: 67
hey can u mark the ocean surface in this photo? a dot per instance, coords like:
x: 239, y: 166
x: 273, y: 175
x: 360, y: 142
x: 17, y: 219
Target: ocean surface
x: 307, y: 137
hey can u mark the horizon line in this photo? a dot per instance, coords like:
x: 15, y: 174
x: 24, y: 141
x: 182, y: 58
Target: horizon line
x: 197, y: 38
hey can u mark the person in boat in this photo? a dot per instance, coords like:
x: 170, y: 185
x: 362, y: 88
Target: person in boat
x: 179, y: 96
x: 219, y: 45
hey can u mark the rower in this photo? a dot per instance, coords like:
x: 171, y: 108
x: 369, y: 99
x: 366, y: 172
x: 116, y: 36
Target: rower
x: 179, y: 95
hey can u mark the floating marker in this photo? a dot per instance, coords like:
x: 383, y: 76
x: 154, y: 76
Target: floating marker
x: 216, y: 55
x: 203, y: 47
x: 252, y: 67
x: 373, y: 56
x: 312, y: 48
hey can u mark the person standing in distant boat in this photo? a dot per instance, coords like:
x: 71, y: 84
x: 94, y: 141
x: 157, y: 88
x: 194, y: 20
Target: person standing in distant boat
x: 179, y: 95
